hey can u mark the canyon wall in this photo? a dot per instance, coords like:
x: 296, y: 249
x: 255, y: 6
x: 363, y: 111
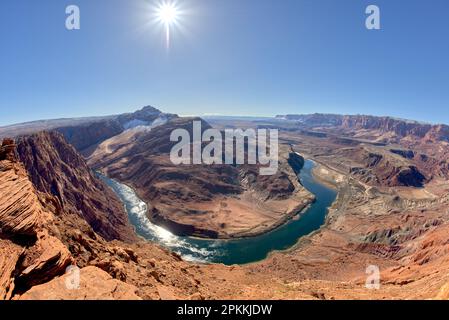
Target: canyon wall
x: 59, y: 172
x: 401, y: 128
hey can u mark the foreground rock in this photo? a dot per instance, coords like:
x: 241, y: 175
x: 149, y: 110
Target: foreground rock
x: 28, y: 255
x: 94, y: 284
x: 45, y: 259
x: 9, y: 255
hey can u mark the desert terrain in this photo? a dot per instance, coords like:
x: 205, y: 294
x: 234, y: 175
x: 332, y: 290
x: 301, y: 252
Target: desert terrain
x: 219, y: 201
x: 391, y: 211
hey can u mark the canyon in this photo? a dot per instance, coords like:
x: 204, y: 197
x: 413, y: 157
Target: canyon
x: 391, y: 210
x: 219, y: 201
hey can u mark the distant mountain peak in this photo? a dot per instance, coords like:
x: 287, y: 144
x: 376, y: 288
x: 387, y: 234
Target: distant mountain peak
x: 150, y: 109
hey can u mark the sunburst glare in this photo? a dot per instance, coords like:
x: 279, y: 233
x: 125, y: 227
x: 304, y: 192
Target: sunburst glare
x: 167, y: 13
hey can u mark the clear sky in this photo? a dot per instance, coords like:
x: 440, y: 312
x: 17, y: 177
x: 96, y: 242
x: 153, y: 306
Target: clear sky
x: 229, y: 57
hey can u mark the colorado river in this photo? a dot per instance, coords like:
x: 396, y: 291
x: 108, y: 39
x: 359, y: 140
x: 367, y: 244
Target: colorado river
x: 230, y: 252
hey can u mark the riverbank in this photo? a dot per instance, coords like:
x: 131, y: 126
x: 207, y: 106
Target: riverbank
x: 263, y: 205
x: 184, y: 230
x: 235, y: 251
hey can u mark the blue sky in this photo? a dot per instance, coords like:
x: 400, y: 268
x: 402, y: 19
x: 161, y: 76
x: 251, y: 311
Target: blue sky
x: 231, y: 57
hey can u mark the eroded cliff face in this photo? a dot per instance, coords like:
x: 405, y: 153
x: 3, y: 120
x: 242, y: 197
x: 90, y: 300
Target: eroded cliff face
x: 29, y: 255
x: 18, y: 216
x: 387, y: 129
x: 59, y: 172
x: 84, y: 136
x: 401, y: 128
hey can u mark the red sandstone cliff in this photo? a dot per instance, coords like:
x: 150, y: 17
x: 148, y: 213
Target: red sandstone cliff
x: 55, y: 168
x: 399, y: 128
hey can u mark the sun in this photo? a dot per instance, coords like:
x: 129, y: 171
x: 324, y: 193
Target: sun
x: 167, y: 13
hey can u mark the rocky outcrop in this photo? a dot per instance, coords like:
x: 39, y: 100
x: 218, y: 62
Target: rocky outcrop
x: 41, y: 262
x: 409, y: 177
x: 7, y: 150
x: 20, y: 211
x: 56, y: 169
x: 37, y: 244
x: 94, y: 284
x: 10, y: 254
x: 28, y: 254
